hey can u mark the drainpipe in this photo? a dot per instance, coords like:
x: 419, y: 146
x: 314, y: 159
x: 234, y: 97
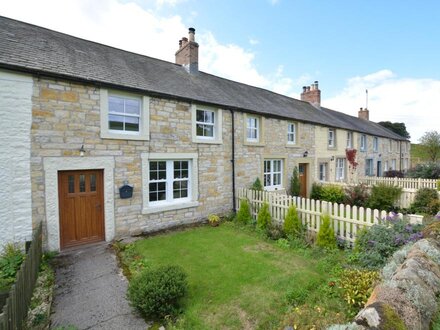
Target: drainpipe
x: 233, y: 160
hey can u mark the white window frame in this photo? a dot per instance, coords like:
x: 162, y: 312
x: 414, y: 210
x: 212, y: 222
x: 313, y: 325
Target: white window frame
x: 349, y: 140
x: 363, y: 145
x: 291, y: 133
x: 393, y: 164
x: 144, y: 119
x: 375, y: 144
x: 253, y: 128
x: 170, y: 204
x: 340, y: 170
x: 322, y: 169
x: 272, y: 173
x: 218, y: 125
x: 405, y: 164
x: 331, y: 138
x: 369, y: 167
x: 386, y: 167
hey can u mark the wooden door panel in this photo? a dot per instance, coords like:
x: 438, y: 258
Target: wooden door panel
x: 302, y: 169
x: 81, y: 212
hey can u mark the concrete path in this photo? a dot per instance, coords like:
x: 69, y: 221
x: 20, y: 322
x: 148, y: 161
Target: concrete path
x: 90, y: 291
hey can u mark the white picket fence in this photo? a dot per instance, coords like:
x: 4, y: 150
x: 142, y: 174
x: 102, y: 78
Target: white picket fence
x: 406, y: 183
x: 347, y: 220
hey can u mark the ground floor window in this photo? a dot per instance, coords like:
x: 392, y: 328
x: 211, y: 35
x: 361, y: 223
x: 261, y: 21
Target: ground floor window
x: 340, y: 169
x: 393, y: 164
x: 323, y: 171
x: 273, y: 174
x: 369, y: 167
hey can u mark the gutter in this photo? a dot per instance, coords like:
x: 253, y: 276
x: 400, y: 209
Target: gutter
x: 234, y: 208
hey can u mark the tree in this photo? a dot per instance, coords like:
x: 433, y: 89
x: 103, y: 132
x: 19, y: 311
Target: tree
x: 398, y: 128
x: 295, y: 187
x: 431, y: 142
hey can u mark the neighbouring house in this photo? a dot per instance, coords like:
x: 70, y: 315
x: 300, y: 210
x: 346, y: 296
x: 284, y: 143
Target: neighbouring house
x: 99, y: 143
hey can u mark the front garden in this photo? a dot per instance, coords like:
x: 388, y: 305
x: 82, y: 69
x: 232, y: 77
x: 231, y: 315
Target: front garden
x: 253, y: 274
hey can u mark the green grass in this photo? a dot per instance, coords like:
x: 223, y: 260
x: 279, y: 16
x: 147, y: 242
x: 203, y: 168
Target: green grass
x: 237, y: 280
x: 419, y: 153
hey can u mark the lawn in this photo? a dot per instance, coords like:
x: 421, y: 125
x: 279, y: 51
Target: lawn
x: 238, y: 280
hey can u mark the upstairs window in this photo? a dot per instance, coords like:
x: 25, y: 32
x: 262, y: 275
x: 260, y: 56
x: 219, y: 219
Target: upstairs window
x: 331, y: 137
x: 205, y: 124
x: 349, y: 140
x: 375, y: 144
x: 363, y: 142
x: 291, y: 133
x: 252, y: 129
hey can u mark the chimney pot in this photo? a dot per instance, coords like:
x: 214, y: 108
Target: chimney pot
x: 312, y: 94
x: 304, y: 89
x: 188, y: 53
x: 191, y: 33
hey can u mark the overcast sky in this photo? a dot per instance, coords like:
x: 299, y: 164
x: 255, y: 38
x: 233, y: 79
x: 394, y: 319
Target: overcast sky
x: 391, y: 48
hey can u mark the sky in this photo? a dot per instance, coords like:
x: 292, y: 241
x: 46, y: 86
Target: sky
x: 391, y: 48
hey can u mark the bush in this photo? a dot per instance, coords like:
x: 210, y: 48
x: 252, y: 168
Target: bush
x: 274, y: 231
x: 357, y: 195
x: 264, y: 219
x: 156, y: 293
x: 332, y: 193
x: 393, y: 174
x: 357, y: 286
x: 426, y: 201
x: 316, y: 191
x: 257, y: 185
x: 292, y: 224
x: 10, y: 261
x: 295, y: 187
x: 244, y: 213
x: 425, y: 171
x: 326, y: 235
x: 374, y: 246
x: 383, y: 197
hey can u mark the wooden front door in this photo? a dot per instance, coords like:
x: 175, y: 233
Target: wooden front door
x: 302, y: 171
x: 81, y: 207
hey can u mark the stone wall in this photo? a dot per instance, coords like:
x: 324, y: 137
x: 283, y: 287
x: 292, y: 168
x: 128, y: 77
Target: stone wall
x: 15, y: 147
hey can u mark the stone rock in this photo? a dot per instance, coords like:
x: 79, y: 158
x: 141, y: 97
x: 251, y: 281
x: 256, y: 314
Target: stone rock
x: 380, y: 316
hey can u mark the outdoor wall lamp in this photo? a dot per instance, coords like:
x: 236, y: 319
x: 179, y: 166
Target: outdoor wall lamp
x: 333, y: 158
x: 82, y: 151
x: 306, y: 153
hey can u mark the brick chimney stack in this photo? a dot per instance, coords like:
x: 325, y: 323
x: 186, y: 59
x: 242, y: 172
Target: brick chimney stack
x: 312, y: 94
x: 364, y: 114
x: 188, y: 53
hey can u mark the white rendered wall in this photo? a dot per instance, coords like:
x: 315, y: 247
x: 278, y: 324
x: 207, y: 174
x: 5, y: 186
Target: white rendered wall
x: 15, y: 154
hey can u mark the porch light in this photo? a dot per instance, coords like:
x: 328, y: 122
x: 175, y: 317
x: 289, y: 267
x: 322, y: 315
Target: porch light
x: 306, y: 153
x: 82, y: 151
x: 333, y: 158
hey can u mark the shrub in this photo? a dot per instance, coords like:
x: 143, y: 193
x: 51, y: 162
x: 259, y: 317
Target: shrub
x: 274, y: 231
x: 393, y: 174
x: 244, y: 213
x: 383, y: 197
x: 374, y: 246
x: 425, y: 171
x: 316, y: 191
x: 292, y: 224
x: 10, y: 261
x: 213, y: 219
x: 332, y: 193
x: 157, y: 292
x: 295, y: 187
x: 357, y: 195
x: 426, y: 201
x: 326, y: 235
x: 357, y: 286
x: 257, y: 185
x: 263, y: 218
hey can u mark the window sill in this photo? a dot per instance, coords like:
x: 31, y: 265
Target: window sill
x: 254, y: 144
x: 207, y: 141
x: 292, y: 145
x: 169, y: 207
x: 122, y: 136
x: 332, y: 148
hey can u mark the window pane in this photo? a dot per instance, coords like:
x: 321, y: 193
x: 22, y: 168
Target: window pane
x: 277, y: 179
x: 267, y: 180
x: 199, y: 130
x: 116, y: 122
x: 71, y: 180
x: 115, y: 104
x: 200, y: 116
x: 82, y: 183
x: 209, y: 130
x: 132, y: 106
x: 92, y: 182
x: 209, y: 117
x: 132, y: 124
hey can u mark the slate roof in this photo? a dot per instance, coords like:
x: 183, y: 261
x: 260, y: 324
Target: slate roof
x: 29, y: 48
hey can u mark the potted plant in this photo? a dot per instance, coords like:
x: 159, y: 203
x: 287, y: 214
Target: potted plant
x: 214, y: 220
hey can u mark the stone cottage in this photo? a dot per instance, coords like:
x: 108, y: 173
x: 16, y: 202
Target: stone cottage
x: 98, y: 142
